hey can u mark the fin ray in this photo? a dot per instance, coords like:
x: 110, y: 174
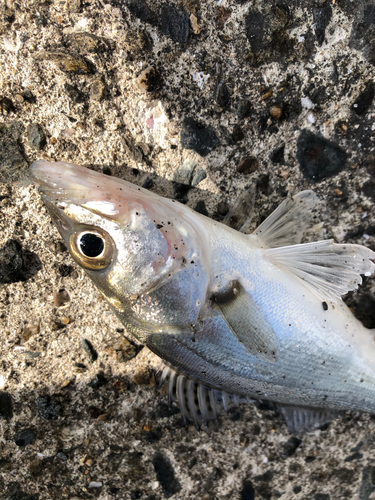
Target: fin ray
x: 285, y: 226
x: 327, y: 269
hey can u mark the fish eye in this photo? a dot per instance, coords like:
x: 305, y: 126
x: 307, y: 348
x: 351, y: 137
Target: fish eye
x: 92, y: 248
x: 91, y: 244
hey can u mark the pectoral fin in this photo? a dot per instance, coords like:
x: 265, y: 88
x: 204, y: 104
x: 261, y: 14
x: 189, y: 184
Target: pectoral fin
x: 247, y: 322
x: 327, y: 269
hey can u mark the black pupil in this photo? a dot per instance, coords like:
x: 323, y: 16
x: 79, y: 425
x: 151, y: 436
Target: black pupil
x: 91, y: 245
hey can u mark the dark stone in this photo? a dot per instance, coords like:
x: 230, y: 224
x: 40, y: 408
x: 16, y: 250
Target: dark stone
x: 362, y: 35
x: 215, y: 474
x: 148, y: 184
x: 297, y: 489
x: 140, y: 9
x: 364, y: 100
x: 74, y: 94
x: 197, y: 137
x: 40, y: 21
x: 367, y: 483
x: 48, y: 408
x: 28, y: 96
x: 222, y: 95
x: 243, y: 109
x: 98, y: 381
x: 14, y: 492
x: 175, y: 23
x: 131, y: 148
x: 222, y: 208
x: 180, y: 192
x: 6, y: 105
x: 11, y: 262
x: 266, y: 477
x: 200, y: 207
x: 277, y: 155
x: 247, y: 492
x: 267, y: 32
x: 263, y: 184
x: 322, y: 496
x: 355, y: 456
x: 368, y: 189
x: 290, y: 446
x: 65, y: 270
x: 89, y: 349
x: 321, y: 17
x: 165, y: 475
x: 318, y: 157
x: 150, y: 79
x: 237, y: 134
x: 248, y: 165
x: 9, y: 16
x: 24, y: 437
x: 364, y: 308
x: 255, y: 430
x: 36, y: 137
x: 61, y: 298
x: 6, y: 405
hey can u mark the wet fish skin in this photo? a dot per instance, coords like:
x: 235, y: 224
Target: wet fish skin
x: 238, y: 313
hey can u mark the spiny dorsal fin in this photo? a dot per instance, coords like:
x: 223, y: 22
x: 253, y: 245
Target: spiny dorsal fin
x: 287, y: 223
x: 327, y: 269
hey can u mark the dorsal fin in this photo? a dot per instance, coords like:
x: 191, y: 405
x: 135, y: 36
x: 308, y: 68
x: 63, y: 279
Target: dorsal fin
x: 327, y: 269
x: 287, y: 223
x: 300, y: 420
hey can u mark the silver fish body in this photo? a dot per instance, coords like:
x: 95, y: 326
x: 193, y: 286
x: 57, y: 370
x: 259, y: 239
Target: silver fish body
x: 258, y: 316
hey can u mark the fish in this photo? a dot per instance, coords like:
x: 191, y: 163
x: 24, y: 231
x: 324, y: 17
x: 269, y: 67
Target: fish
x: 235, y: 316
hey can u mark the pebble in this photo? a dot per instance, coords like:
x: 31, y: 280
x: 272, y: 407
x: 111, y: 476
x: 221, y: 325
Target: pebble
x: 88, y: 349
x: 175, y: 23
x: 11, y: 262
x: 247, y: 492
x: 36, y: 137
x: 165, y: 474
x: 321, y: 18
x: 67, y: 62
x: 243, y: 109
x: 290, y: 446
x: 30, y: 331
x: 222, y: 208
x: 199, y: 175
x: 73, y: 93
x: 24, y: 437
x: 364, y: 100
x: 197, y: 137
x: 48, y: 408
x: 318, y: 157
x: 144, y: 376
x: 6, y: 105
x: 277, y: 155
x: 89, y: 43
x: 248, y: 165
x: 237, y: 134
x: 6, y: 405
x: 200, y: 207
x: 148, y: 183
x: 98, y: 90
x: 276, y: 112
x: 136, y: 42
x: 184, y: 174
x: 222, y: 95
x: 149, y: 80
x: 61, y: 298
x: 194, y: 24
x: 98, y: 381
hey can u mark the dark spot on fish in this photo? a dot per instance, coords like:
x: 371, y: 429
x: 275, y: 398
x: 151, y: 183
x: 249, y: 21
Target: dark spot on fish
x: 159, y: 226
x: 325, y: 306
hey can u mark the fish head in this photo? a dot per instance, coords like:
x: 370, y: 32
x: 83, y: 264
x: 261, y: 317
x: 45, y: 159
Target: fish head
x: 127, y: 239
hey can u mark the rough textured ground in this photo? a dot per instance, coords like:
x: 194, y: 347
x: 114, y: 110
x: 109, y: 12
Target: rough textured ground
x: 276, y: 94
